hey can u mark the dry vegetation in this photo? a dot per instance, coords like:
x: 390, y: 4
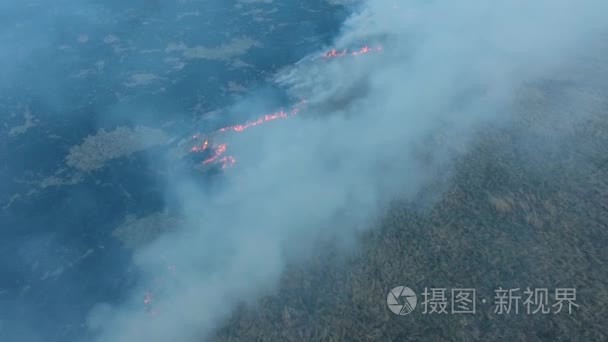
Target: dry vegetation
x: 96, y: 150
x: 136, y: 232
x: 527, y: 206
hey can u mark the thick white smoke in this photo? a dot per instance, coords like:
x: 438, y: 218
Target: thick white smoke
x: 377, y: 128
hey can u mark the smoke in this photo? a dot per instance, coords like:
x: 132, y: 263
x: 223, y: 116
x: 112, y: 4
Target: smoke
x: 376, y: 129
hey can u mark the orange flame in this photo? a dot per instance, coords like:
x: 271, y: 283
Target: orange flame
x: 204, y: 145
x: 333, y: 53
x: 218, y: 151
x: 268, y: 117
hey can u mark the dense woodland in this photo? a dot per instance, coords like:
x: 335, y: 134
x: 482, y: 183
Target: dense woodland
x: 526, y: 206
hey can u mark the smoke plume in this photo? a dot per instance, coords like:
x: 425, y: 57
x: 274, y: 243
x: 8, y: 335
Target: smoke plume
x: 376, y: 128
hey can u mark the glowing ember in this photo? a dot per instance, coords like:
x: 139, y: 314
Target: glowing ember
x: 227, y: 161
x: 366, y: 49
x: 333, y: 53
x: 268, y: 117
x: 217, y: 152
x: 204, y: 145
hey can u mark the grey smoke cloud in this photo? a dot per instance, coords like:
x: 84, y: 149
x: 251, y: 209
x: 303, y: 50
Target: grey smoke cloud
x: 377, y: 128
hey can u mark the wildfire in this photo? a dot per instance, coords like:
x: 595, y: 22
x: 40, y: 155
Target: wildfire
x: 268, y: 117
x: 333, y: 53
x: 218, y: 155
x: 203, y: 146
x: 218, y: 151
x: 227, y: 161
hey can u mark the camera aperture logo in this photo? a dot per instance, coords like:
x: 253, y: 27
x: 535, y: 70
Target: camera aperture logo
x: 401, y: 300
